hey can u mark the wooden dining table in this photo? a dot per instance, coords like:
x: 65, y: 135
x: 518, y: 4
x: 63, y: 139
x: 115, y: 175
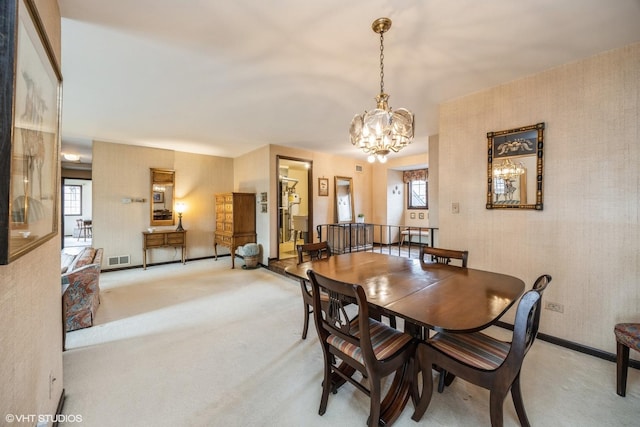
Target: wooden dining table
x: 436, y: 296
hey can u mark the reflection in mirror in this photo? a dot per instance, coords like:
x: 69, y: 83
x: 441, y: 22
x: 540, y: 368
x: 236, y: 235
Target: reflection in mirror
x: 162, y: 196
x: 514, y: 174
x: 344, y: 199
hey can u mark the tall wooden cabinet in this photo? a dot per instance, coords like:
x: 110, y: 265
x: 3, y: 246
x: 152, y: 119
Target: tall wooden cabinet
x: 235, y: 222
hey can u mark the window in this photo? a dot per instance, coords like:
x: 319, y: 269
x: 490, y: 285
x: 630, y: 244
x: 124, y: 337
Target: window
x: 73, y: 200
x: 417, y: 194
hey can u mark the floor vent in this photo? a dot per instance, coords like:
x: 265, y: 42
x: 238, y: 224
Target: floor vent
x: 119, y: 260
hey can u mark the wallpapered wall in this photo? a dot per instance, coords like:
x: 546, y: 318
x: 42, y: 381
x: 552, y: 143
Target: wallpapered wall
x: 30, y: 309
x: 587, y: 237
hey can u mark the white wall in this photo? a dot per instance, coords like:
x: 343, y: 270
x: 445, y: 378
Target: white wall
x: 587, y: 237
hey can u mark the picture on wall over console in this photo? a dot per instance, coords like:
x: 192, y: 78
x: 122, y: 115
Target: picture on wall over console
x: 158, y: 197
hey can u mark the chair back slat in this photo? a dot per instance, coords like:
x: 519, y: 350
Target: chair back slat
x: 336, y: 320
x: 444, y: 256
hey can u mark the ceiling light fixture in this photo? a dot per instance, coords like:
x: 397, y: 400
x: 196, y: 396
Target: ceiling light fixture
x: 381, y: 131
x: 508, y: 170
x: 71, y: 157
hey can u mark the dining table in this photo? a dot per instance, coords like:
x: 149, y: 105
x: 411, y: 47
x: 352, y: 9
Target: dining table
x: 424, y: 294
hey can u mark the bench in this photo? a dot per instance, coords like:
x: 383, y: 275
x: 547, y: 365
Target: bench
x: 419, y: 235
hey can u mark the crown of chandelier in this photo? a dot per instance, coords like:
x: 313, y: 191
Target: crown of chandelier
x: 382, y: 131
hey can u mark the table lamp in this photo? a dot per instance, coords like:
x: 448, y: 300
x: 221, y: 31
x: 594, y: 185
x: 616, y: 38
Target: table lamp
x: 180, y: 208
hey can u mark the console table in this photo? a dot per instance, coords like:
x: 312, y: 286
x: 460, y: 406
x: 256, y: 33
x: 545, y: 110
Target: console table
x: 163, y: 239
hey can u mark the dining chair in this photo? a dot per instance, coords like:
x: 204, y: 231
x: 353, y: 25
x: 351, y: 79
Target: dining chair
x: 444, y: 256
x: 627, y: 336
x: 84, y: 228
x: 483, y: 360
x: 310, y: 252
x: 363, y: 344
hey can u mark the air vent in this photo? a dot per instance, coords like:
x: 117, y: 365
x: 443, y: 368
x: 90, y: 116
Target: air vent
x: 119, y: 260
x: 358, y: 168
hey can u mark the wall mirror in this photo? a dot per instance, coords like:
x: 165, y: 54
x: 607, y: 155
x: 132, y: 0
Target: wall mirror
x: 344, y: 199
x: 162, y: 196
x: 514, y: 174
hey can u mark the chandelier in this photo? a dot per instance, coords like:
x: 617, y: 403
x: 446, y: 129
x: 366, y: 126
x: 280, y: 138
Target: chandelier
x: 381, y: 131
x: 508, y: 170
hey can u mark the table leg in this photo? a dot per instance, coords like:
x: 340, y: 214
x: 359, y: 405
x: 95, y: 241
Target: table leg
x: 144, y: 259
x: 215, y: 250
x: 233, y: 256
x: 398, y: 395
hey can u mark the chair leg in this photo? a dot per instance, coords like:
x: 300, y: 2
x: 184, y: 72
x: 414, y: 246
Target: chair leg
x: 307, y: 314
x: 441, y: 380
x: 326, y: 383
x: 516, y: 395
x: 427, y: 388
x: 496, y: 401
x: 375, y: 398
x: 622, y: 364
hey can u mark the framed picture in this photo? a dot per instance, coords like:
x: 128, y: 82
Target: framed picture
x: 515, y: 168
x: 412, y: 215
x: 421, y: 215
x: 30, y: 104
x: 158, y: 197
x: 323, y: 186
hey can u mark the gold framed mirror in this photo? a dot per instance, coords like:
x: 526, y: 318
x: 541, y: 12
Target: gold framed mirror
x: 162, y: 197
x: 344, y: 199
x: 515, y: 166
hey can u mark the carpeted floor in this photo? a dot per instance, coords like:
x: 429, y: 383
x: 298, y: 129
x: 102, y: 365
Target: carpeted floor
x: 203, y: 345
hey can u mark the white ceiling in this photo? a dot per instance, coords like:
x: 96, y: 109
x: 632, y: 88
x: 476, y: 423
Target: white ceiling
x: 226, y: 77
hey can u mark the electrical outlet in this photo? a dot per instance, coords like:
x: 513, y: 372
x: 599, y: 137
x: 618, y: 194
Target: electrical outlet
x: 554, y: 306
x: 455, y: 208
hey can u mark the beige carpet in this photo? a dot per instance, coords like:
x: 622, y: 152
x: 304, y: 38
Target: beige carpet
x: 204, y: 345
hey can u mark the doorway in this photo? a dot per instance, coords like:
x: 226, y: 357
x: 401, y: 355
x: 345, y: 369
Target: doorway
x: 76, y: 209
x: 295, y: 209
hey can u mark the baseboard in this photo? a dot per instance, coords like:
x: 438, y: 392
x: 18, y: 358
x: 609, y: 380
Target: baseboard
x: 601, y: 354
x: 59, y: 408
x: 131, y: 267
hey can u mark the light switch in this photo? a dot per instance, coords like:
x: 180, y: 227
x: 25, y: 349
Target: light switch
x: 455, y: 208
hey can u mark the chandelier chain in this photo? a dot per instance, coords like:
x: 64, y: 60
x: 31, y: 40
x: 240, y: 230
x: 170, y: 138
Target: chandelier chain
x: 382, y: 62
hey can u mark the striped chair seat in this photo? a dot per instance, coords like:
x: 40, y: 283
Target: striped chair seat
x: 628, y: 334
x: 477, y: 349
x: 386, y: 341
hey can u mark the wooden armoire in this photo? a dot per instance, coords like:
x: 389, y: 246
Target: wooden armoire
x: 235, y: 222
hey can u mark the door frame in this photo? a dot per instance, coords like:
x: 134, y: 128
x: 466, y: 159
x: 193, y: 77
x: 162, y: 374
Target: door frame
x: 279, y: 198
